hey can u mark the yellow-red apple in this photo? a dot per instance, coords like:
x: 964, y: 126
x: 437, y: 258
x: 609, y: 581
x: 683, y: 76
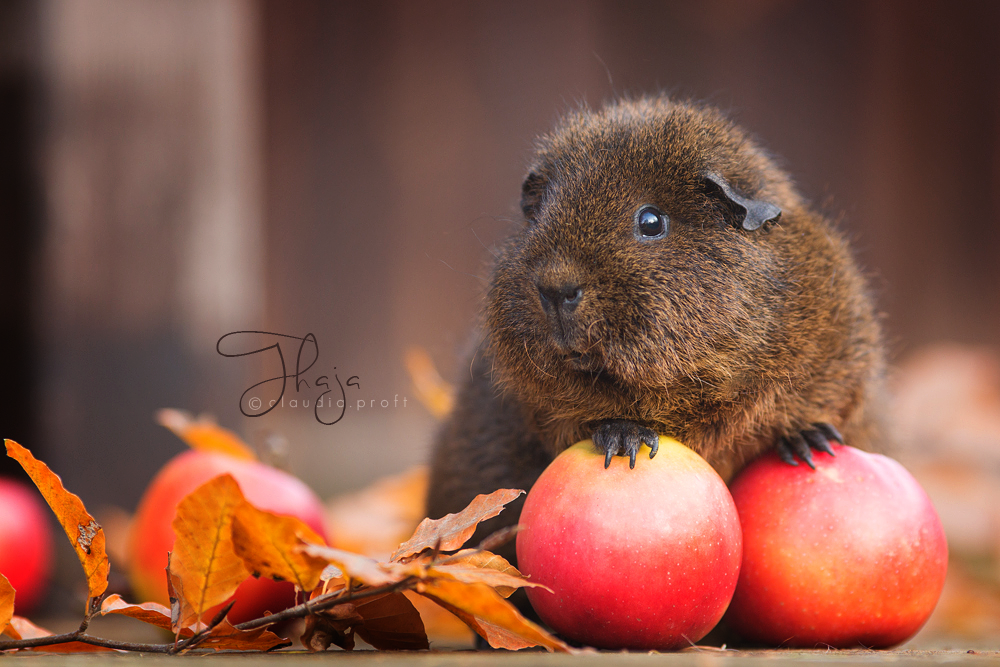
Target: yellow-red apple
x: 849, y: 554
x: 643, y: 558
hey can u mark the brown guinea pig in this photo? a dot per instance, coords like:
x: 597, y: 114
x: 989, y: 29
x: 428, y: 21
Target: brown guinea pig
x: 668, y: 279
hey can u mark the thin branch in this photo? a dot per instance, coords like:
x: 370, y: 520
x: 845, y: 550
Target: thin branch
x: 83, y: 638
x: 195, y: 639
x: 324, y: 602
x: 310, y: 607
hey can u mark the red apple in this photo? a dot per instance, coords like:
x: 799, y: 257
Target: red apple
x: 849, y: 554
x: 25, y: 543
x: 643, y: 558
x: 152, y: 536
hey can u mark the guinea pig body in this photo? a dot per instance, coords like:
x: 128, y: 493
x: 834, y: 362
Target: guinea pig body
x: 667, y: 280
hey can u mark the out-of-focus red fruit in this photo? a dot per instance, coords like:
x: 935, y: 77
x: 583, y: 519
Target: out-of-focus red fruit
x: 152, y: 536
x: 25, y: 543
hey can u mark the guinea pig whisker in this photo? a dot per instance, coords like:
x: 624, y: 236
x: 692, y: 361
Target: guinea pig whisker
x: 540, y: 370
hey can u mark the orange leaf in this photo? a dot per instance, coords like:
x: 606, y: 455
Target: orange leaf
x: 225, y: 636
x: 391, y: 623
x: 22, y: 628
x: 497, y: 620
x: 451, y: 531
x: 6, y: 602
x: 204, y: 434
x: 472, y: 566
x: 84, y: 533
x: 437, y: 395
x: 361, y: 568
x: 269, y: 546
x: 153, y: 613
x: 206, y: 569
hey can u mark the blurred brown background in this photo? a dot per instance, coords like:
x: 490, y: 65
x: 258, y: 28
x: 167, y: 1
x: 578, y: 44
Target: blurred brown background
x: 173, y: 171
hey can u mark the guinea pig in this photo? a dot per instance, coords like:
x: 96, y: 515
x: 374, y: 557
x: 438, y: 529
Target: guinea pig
x: 667, y: 279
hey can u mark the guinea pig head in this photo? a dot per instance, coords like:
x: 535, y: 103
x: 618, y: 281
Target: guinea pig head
x: 646, y: 261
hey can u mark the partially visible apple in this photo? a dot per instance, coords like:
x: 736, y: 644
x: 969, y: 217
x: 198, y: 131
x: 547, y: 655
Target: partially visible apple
x: 849, y: 554
x: 643, y: 558
x: 25, y: 543
x: 151, y: 535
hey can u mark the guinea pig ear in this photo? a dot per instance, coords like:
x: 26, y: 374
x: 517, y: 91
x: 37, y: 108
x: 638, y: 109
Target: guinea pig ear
x: 751, y: 214
x: 532, y: 193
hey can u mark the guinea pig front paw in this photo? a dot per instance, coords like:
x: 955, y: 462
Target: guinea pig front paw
x: 802, y: 443
x: 623, y: 437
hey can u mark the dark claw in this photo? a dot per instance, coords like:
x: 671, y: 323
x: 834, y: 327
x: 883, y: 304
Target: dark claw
x: 785, y: 453
x: 796, y: 445
x: 801, y: 444
x: 619, y: 436
x: 654, y: 447
x: 831, y: 433
x: 818, y: 441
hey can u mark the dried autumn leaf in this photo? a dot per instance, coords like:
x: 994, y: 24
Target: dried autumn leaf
x: 22, y: 628
x: 360, y: 568
x: 153, y: 613
x: 6, y: 602
x: 451, y: 531
x: 474, y: 566
x: 391, y: 623
x: 225, y: 636
x: 84, y: 533
x: 495, y: 619
x: 269, y: 546
x: 204, y: 434
x: 203, y: 560
x: 437, y: 395
x: 387, y: 622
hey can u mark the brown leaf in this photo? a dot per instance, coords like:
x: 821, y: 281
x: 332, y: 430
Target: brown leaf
x: 6, y: 602
x: 153, y: 613
x: 387, y: 622
x: 206, y: 569
x: 495, y: 619
x: 22, y: 628
x: 391, y: 623
x: 437, y: 395
x: 225, y: 636
x: 473, y: 566
x: 204, y: 434
x: 269, y: 546
x: 361, y: 568
x: 84, y: 533
x: 451, y: 531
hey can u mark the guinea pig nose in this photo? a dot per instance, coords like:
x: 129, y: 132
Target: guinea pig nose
x: 562, y: 297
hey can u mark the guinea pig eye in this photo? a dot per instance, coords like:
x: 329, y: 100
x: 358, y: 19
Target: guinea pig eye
x: 651, y: 223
